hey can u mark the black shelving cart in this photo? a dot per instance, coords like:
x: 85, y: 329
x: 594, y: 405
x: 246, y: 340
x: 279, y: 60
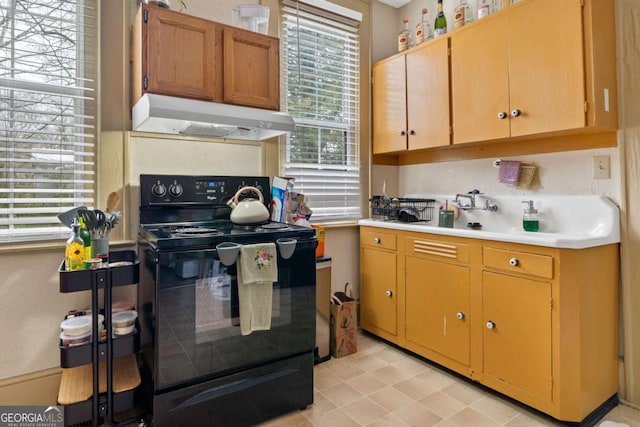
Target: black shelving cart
x: 101, y: 379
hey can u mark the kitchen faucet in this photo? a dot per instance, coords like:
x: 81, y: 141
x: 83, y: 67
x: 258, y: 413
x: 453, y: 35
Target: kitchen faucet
x: 489, y: 205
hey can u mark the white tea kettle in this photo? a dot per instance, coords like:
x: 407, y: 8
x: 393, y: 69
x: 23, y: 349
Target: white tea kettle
x: 248, y: 210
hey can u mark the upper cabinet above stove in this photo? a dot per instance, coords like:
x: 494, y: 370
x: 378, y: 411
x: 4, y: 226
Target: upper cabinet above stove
x: 184, y: 56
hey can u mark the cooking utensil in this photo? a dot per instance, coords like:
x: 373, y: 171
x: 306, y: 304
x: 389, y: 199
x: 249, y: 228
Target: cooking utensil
x: 113, y: 199
x: 88, y: 217
x: 386, y: 201
x: 69, y: 216
x: 248, y: 210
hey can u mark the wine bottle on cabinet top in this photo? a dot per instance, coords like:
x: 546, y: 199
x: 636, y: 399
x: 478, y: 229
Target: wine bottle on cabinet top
x: 404, y: 36
x: 440, y: 26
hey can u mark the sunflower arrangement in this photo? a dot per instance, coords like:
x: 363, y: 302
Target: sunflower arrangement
x: 74, y: 256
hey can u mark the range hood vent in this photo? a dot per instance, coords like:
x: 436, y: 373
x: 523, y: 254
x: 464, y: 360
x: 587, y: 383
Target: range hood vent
x: 181, y: 116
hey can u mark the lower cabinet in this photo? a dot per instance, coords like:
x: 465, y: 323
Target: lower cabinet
x: 437, y: 301
x: 538, y: 324
x: 517, y: 333
x: 378, y: 273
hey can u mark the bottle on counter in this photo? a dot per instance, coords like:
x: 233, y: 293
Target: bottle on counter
x: 484, y: 8
x: 530, y: 218
x: 440, y: 26
x: 74, y: 252
x: 500, y: 4
x: 404, y: 36
x: 462, y: 14
x: 86, y: 239
x: 423, y: 29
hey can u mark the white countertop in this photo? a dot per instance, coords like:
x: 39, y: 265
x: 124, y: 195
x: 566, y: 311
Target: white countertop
x: 566, y: 221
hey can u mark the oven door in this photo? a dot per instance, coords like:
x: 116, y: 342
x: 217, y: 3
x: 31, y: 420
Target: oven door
x: 197, y: 326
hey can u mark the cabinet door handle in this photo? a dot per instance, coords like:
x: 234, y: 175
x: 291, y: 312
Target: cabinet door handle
x: 389, y: 293
x: 460, y: 315
x: 516, y: 113
x: 514, y: 262
x: 376, y: 240
x: 491, y: 324
x: 502, y: 115
x: 402, y: 133
x: 412, y: 132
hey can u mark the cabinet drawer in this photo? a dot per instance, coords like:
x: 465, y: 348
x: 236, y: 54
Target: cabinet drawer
x: 377, y: 239
x: 519, y: 262
x: 439, y: 249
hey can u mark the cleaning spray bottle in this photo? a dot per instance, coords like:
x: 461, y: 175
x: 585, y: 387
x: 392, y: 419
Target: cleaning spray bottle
x: 530, y: 218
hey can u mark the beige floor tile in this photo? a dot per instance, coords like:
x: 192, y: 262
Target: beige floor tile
x: 496, y: 409
x: 415, y: 388
x: 388, y: 420
x: 321, y: 405
x: 445, y: 423
x: 390, y: 375
x: 390, y: 354
x: 437, y: 379
x: 342, y: 394
x: 530, y: 420
x: 465, y: 393
x: 411, y: 366
x: 391, y: 399
x: 416, y: 415
x: 293, y: 419
x: 324, y: 378
x: 346, y: 368
x: 442, y: 404
x: 335, y: 418
x: 471, y: 418
x: 366, y: 383
x: 624, y: 414
x: 371, y: 362
x: 364, y: 411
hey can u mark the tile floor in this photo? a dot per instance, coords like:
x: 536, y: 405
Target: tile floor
x: 384, y: 386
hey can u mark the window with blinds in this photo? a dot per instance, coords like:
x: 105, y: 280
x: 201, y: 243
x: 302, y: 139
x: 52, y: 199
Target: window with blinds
x: 320, y: 70
x: 48, y: 69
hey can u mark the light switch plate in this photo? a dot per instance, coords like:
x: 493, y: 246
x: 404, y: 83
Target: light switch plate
x: 601, y: 167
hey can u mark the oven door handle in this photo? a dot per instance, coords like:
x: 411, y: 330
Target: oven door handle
x: 233, y: 387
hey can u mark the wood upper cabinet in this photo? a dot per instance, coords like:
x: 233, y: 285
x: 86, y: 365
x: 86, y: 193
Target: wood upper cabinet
x: 180, y: 55
x: 411, y: 99
x: 250, y: 69
x: 527, y: 71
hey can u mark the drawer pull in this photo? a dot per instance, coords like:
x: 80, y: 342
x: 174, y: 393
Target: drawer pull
x: 514, y: 262
x: 389, y: 293
x: 460, y: 315
x: 377, y: 240
x: 491, y: 324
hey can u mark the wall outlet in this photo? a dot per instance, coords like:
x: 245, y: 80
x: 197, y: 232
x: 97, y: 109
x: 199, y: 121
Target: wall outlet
x: 601, y: 167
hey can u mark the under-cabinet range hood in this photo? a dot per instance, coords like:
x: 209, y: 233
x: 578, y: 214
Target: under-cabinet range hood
x: 181, y: 116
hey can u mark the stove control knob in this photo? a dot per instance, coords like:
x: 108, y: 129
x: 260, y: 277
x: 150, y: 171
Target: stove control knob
x: 175, y: 190
x: 159, y: 190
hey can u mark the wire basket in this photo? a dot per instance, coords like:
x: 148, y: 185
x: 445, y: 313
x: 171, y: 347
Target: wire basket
x: 401, y: 209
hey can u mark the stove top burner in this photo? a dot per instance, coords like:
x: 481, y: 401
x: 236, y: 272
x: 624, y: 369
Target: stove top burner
x: 195, y: 232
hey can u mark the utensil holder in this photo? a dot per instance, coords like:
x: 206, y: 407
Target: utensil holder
x: 100, y: 247
x: 286, y: 246
x: 228, y: 252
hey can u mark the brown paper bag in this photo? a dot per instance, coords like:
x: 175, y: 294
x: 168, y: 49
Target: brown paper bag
x: 342, y: 335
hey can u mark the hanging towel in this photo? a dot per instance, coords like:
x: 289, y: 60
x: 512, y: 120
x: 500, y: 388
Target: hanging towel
x: 509, y: 172
x: 257, y: 270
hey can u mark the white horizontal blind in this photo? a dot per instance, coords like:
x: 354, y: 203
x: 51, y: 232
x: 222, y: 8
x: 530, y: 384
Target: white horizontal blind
x: 320, y: 69
x: 48, y: 69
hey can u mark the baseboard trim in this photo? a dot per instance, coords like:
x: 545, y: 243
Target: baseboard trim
x: 34, y: 388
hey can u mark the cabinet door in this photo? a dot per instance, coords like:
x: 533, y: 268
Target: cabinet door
x: 181, y: 55
x: 480, y: 81
x: 517, y: 349
x: 389, y: 106
x: 251, y: 71
x: 437, y: 307
x: 428, y: 95
x: 378, y: 289
x: 546, y: 66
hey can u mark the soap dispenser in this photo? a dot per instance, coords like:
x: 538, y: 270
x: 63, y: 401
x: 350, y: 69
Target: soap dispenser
x: 530, y: 219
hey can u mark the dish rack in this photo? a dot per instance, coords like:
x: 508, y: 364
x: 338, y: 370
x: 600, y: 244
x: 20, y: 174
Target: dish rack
x: 401, y: 209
